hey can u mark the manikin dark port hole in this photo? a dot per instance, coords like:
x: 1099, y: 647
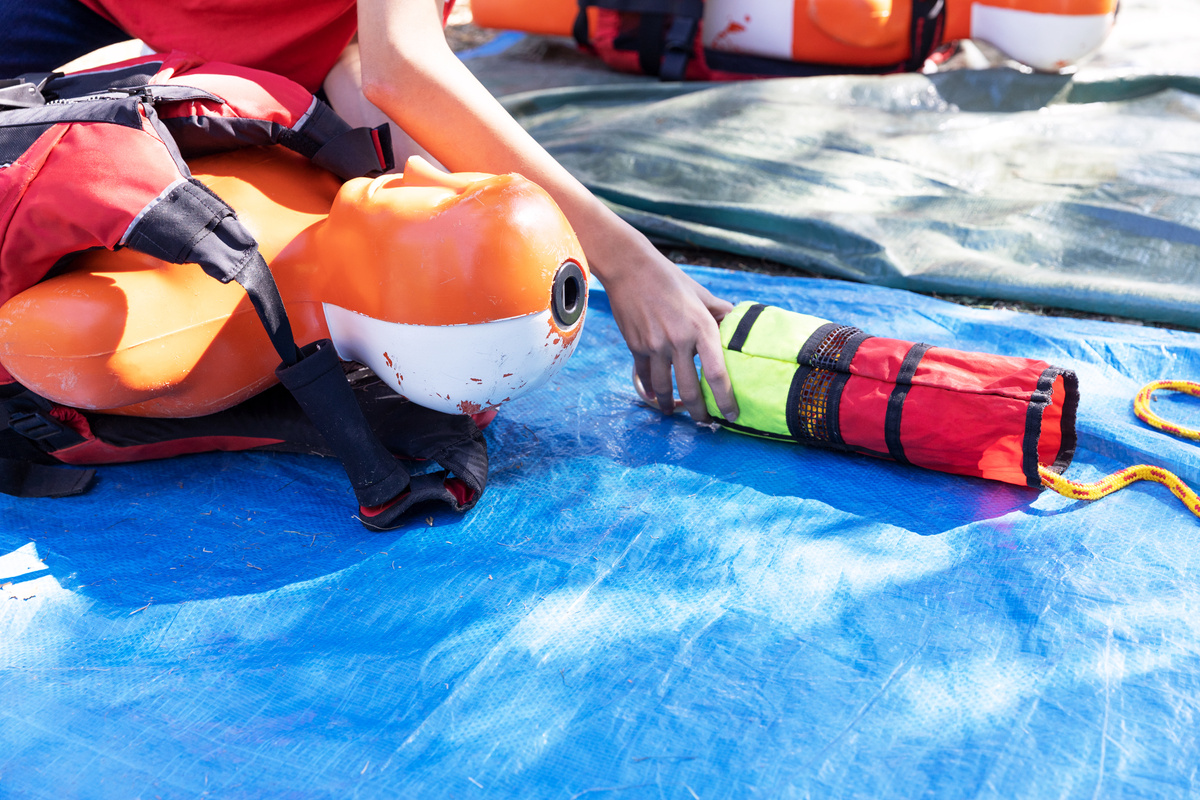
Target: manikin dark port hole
x: 569, y: 293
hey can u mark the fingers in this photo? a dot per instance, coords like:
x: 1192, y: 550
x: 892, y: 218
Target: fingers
x: 660, y: 383
x: 712, y: 358
x: 689, y: 388
x: 652, y: 380
x: 691, y: 395
x: 643, y: 383
x: 641, y: 379
x: 716, y: 306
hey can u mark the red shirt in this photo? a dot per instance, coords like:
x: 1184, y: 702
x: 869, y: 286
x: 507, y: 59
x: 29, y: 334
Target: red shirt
x: 300, y: 39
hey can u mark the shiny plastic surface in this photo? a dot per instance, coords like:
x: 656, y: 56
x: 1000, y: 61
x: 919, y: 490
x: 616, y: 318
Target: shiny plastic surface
x: 638, y: 608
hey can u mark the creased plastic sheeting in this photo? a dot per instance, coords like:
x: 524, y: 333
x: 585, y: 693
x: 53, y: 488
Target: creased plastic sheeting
x: 638, y: 608
x: 1067, y: 192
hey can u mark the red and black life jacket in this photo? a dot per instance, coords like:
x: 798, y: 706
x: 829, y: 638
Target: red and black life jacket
x: 662, y: 37
x: 98, y: 159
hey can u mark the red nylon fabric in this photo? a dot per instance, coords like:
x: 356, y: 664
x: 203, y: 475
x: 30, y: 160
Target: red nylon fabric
x: 300, y: 39
x: 862, y: 411
x: 880, y: 358
x: 98, y: 452
x: 260, y: 96
x: 984, y: 374
x: 979, y: 435
x: 16, y: 275
x: 964, y: 413
x: 75, y: 165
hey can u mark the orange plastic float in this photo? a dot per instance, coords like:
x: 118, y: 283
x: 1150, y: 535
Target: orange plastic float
x: 1044, y: 34
x: 461, y: 291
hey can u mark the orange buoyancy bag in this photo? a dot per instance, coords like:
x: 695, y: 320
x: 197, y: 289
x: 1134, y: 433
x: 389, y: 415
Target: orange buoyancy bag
x: 667, y: 38
x: 461, y: 291
x: 96, y: 160
x: 807, y: 380
x: 737, y: 39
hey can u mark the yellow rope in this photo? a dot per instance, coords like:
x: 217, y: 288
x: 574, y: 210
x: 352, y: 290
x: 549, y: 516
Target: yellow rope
x: 1141, y: 406
x: 1142, y: 472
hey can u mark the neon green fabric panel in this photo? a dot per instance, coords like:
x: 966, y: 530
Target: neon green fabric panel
x: 779, y: 334
x: 761, y: 387
x: 763, y: 369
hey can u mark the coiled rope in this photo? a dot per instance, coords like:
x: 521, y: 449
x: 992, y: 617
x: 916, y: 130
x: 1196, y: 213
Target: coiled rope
x: 1142, y: 472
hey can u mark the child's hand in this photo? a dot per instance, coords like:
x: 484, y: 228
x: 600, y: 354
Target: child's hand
x: 667, y: 319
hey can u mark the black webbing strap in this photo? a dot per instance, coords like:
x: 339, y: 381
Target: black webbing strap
x: 895, y: 407
x: 650, y: 42
x: 26, y: 415
x: 223, y: 248
x: 579, y: 29
x: 1039, y: 401
x: 925, y: 32
x: 319, y: 386
x: 27, y: 479
x: 664, y: 48
x: 742, y: 331
x: 332, y: 144
x: 680, y: 42
x: 357, y: 152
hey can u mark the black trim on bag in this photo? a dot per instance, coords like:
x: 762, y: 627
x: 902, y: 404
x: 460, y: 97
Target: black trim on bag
x: 814, y: 341
x: 833, y: 422
x: 733, y: 426
x: 1039, y: 401
x: 850, y: 349
x: 895, y: 408
x: 742, y: 331
x: 791, y: 412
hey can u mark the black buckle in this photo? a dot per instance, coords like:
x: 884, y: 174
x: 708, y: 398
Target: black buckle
x: 35, y: 425
x: 29, y: 415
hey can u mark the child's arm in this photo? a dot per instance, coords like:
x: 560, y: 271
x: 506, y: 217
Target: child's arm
x: 411, y: 74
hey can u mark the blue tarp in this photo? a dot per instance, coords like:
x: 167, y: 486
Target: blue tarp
x: 639, y: 607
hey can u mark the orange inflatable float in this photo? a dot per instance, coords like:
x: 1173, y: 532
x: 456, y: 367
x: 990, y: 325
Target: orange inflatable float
x: 1044, y: 34
x: 461, y: 291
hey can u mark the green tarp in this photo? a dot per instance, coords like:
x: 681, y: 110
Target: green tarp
x: 1078, y: 192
